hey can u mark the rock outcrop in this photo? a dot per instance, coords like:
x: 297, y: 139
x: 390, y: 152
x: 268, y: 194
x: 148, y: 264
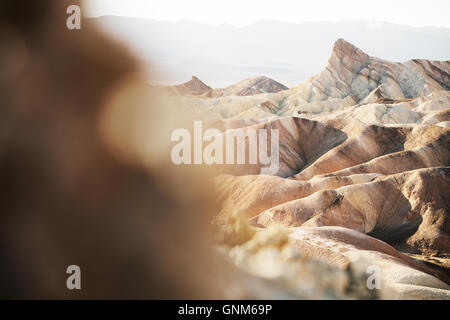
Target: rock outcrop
x: 248, y: 87
x: 354, y: 77
x: 252, y: 86
x: 193, y: 87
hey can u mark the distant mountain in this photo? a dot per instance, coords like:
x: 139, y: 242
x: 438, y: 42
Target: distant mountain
x: 193, y: 87
x: 252, y: 86
x: 353, y: 73
x: 247, y: 87
x: 291, y: 53
x: 353, y: 84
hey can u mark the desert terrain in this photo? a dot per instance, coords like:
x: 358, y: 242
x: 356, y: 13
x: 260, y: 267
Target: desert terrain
x: 364, y: 169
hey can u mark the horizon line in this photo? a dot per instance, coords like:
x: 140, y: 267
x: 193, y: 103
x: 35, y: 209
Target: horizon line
x: 259, y: 21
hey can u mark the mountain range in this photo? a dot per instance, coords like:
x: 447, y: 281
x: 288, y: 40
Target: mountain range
x: 247, y: 87
x: 290, y: 53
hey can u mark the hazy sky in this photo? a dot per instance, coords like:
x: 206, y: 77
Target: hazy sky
x: 244, y: 12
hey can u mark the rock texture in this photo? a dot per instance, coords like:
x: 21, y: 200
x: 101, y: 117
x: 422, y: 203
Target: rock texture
x: 340, y: 246
x: 407, y: 207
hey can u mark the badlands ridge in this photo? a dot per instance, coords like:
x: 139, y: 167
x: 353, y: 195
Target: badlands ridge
x: 364, y: 164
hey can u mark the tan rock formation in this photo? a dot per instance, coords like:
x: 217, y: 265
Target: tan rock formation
x: 410, y: 279
x: 297, y: 148
x: 251, y: 195
x: 193, y: 87
x: 353, y: 74
x: 410, y: 207
x: 252, y: 86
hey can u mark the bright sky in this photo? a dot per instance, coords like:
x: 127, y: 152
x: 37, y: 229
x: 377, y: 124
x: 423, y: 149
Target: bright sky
x: 244, y: 12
